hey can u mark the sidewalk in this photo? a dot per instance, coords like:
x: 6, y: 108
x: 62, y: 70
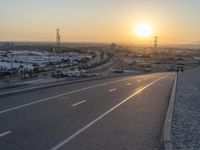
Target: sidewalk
x: 186, y: 115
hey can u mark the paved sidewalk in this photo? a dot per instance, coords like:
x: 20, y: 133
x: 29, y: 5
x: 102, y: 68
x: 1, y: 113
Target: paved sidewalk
x: 186, y: 117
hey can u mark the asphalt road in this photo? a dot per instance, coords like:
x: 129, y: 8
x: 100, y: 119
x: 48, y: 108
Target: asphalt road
x: 124, y: 113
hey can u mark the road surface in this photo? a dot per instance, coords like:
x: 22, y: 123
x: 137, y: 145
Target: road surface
x: 124, y: 113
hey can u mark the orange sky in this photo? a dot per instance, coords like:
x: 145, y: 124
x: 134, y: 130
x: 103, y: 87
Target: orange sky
x: 173, y: 21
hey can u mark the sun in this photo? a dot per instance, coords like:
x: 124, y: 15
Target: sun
x: 143, y: 29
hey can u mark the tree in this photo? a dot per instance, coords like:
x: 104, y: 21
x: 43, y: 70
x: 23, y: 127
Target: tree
x: 35, y: 68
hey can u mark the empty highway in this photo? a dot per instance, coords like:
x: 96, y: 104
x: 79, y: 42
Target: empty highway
x: 124, y: 113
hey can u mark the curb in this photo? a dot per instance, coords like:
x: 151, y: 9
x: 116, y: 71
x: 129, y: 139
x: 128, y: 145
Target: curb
x: 166, y: 135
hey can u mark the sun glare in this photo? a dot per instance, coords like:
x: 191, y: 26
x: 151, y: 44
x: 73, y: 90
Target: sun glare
x: 143, y: 30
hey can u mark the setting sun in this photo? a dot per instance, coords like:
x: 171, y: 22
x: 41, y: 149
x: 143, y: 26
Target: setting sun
x: 143, y: 30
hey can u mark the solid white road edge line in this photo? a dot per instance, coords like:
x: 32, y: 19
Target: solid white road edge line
x: 5, y: 133
x: 63, y: 94
x: 79, y: 103
x: 102, y: 116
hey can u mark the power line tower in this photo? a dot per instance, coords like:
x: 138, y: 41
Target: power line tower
x: 155, y: 42
x: 57, y: 37
x: 154, y: 49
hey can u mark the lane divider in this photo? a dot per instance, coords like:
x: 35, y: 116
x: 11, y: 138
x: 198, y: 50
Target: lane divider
x: 128, y: 84
x: 112, y: 90
x: 76, y: 104
x: 4, y: 134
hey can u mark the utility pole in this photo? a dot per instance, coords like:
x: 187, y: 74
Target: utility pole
x: 11, y: 64
x: 155, y: 42
x: 2, y: 55
x: 49, y: 59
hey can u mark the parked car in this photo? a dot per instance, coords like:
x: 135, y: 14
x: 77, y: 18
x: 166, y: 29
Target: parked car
x: 57, y: 74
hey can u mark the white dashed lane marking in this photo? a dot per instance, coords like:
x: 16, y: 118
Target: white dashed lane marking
x: 4, y: 134
x: 112, y: 90
x: 78, y: 103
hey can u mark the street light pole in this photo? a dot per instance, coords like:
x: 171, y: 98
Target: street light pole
x: 11, y: 64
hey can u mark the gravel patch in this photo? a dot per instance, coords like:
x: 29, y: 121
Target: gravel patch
x: 186, y: 117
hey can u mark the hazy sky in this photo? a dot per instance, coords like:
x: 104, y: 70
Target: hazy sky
x: 174, y: 21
